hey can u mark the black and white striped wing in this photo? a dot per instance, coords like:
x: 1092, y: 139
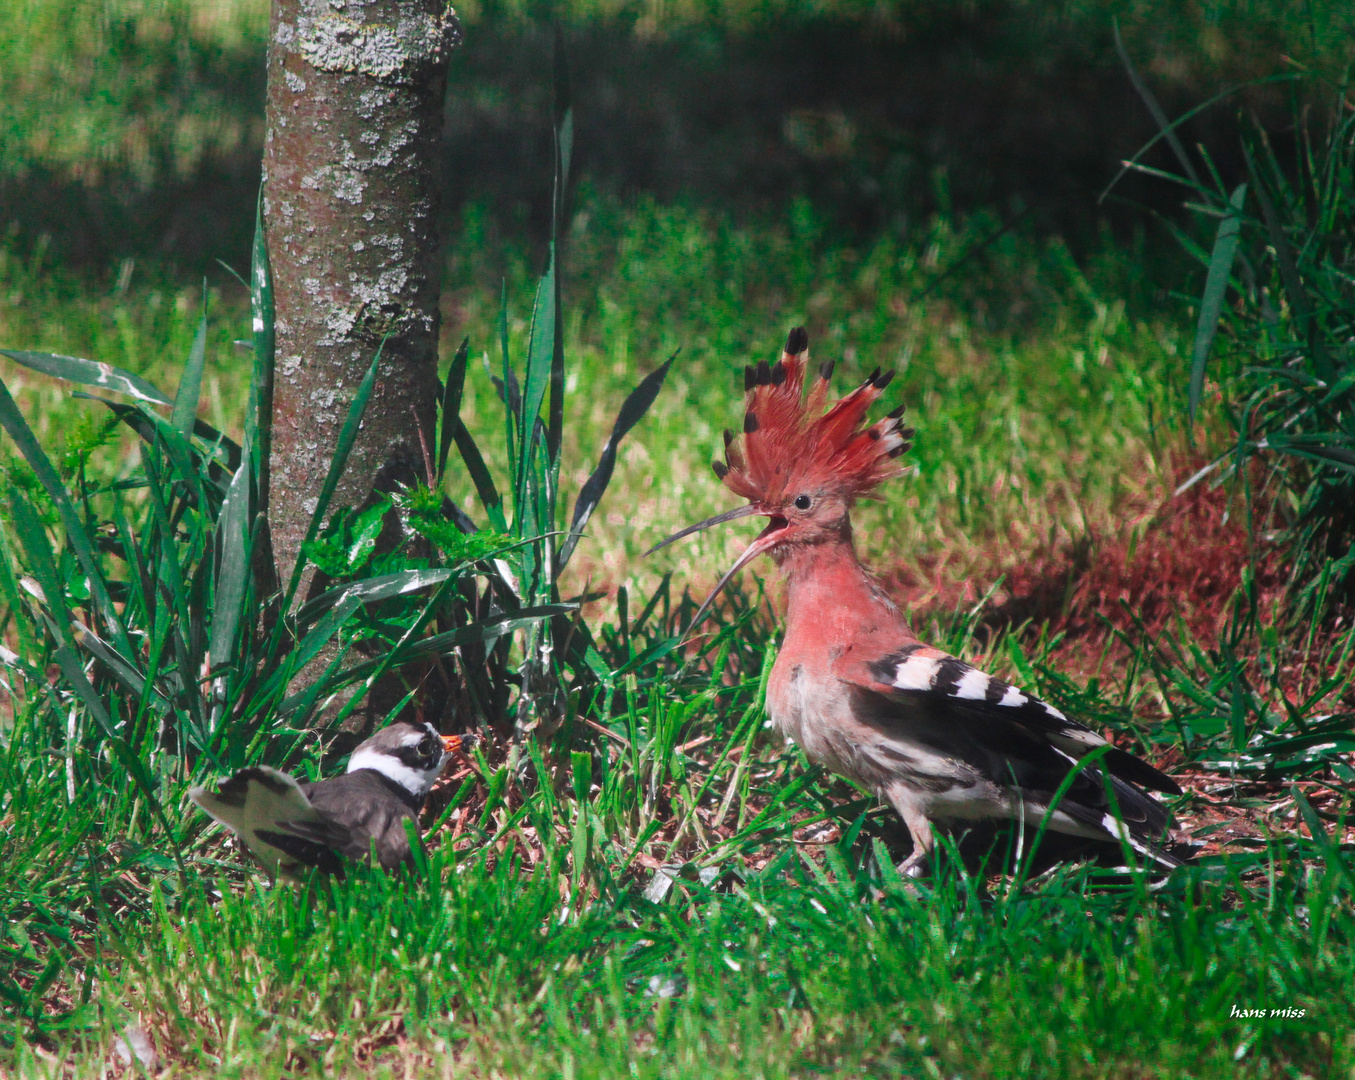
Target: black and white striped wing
x: 923, y: 675
x: 925, y: 699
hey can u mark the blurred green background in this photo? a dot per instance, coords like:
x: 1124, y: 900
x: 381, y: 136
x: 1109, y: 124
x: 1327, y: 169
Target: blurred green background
x: 133, y: 127
x: 916, y: 181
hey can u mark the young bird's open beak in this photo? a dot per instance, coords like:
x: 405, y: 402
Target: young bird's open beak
x: 764, y: 542
x: 457, y: 744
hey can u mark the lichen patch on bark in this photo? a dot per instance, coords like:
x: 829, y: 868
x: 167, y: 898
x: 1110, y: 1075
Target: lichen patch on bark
x: 391, y: 53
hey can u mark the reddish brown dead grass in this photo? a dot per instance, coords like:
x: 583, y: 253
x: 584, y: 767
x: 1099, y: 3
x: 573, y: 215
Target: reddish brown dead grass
x: 1175, y: 562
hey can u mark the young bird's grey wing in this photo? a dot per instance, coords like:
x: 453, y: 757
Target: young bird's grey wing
x: 318, y: 841
x: 301, y: 851
x: 369, y: 808
x: 254, y: 803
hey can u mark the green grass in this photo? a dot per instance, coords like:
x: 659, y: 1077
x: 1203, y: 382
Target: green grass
x: 136, y: 93
x: 141, y: 89
x: 786, y: 974
x: 147, y: 327
x: 808, y: 961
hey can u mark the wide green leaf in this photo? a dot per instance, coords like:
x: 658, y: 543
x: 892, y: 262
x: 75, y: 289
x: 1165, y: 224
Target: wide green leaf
x: 540, y: 352
x: 89, y: 373
x: 259, y: 407
x: 232, y: 568
x: 382, y: 587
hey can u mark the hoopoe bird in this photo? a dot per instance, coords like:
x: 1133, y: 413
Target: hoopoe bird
x: 939, y: 740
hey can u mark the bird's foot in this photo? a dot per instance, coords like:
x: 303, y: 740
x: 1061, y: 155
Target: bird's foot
x: 915, y: 866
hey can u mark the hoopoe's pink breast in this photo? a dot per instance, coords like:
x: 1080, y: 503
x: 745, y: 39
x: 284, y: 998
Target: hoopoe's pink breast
x: 809, y: 705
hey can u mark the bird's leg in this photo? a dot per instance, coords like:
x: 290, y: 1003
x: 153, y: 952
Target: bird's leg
x: 920, y: 829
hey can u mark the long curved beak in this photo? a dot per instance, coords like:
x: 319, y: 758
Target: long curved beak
x: 763, y: 543
x: 765, y: 539
x: 747, y: 510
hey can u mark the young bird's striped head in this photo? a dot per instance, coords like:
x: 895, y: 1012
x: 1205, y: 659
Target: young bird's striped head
x: 411, y: 753
x: 800, y: 464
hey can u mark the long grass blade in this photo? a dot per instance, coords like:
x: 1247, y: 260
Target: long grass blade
x: 451, y: 402
x: 168, y: 566
x: 481, y: 477
x: 508, y: 391
x: 12, y: 420
x: 1133, y: 162
x: 564, y: 149
x: 259, y: 409
x: 33, y: 538
x: 540, y: 353
x: 1154, y: 109
x: 1211, y: 302
x: 1314, y: 450
x: 454, y: 428
x: 232, y: 570
x: 190, y: 383
x: 1289, y: 275
x: 11, y: 598
x: 123, y: 669
x: 633, y: 409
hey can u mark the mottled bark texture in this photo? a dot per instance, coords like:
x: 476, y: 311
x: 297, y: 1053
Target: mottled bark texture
x: 351, y: 205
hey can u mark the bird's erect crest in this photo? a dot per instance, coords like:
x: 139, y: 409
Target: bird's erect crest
x: 790, y: 443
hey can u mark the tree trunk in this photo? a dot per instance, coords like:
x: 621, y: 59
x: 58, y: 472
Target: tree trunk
x: 352, y: 178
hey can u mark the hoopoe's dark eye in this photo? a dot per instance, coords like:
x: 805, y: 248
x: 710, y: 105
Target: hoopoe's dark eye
x: 430, y: 746
x: 802, y: 502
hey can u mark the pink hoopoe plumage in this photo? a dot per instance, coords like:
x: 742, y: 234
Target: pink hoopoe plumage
x: 935, y: 737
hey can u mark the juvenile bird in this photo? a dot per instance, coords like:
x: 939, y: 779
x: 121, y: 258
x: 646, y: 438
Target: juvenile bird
x: 289, y: 825
x: 939, y: 740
